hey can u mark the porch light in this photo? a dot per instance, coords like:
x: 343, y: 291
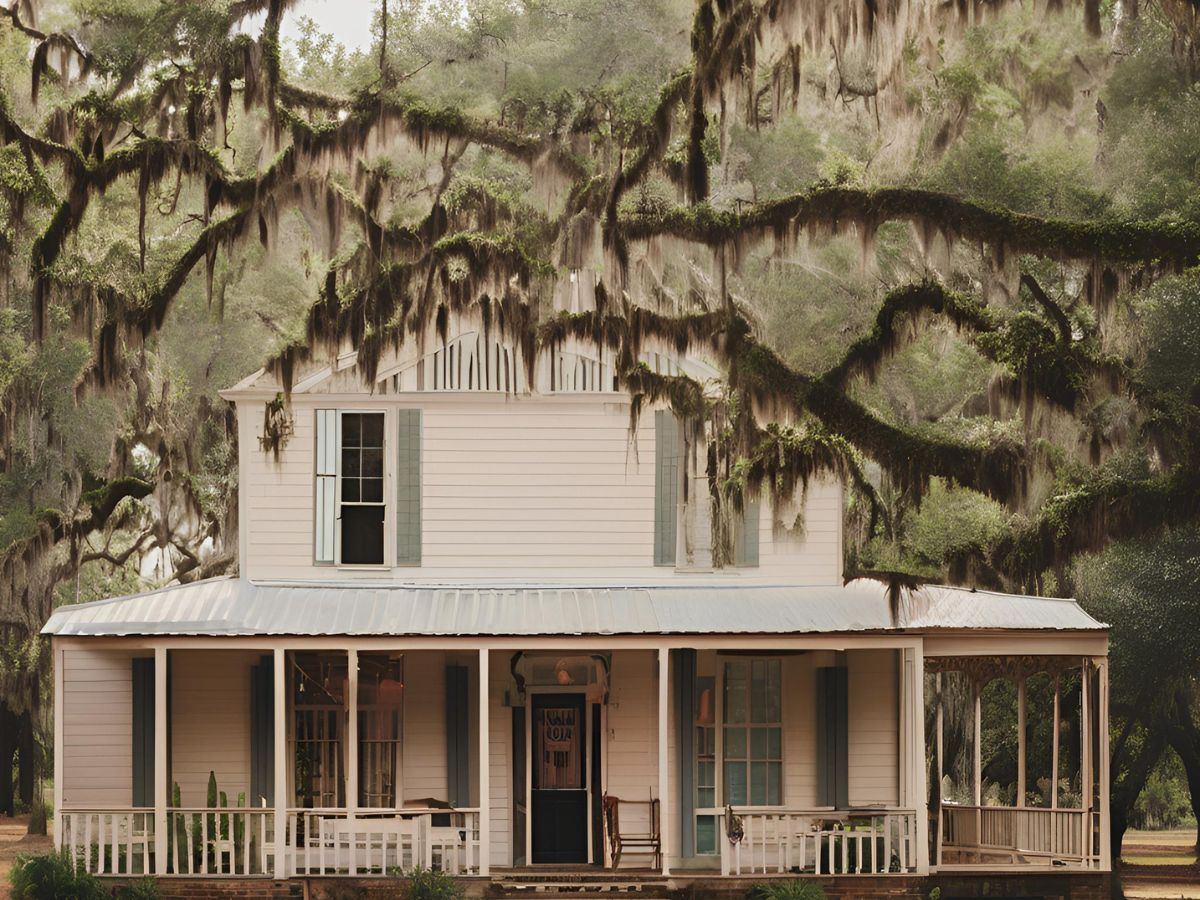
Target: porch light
x: 562, y: 674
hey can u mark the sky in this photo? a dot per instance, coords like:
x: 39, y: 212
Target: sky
x: 349, y: 21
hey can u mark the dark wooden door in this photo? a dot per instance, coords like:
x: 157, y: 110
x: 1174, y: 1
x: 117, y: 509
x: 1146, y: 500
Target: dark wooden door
x: 560, y: 779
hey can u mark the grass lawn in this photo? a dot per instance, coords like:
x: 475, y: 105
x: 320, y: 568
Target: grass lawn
x: 1161, y: 864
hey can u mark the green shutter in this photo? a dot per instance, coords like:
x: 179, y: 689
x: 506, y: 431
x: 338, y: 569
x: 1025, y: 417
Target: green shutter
x: 458, y: 737
x: 262, y: 733
x: 143, y: 732
x: 745, y: 547
x: 685, y: 733
x: 667, y: 460
x: 408, y: 489
x: 833, y: 787
x: 325, y: 485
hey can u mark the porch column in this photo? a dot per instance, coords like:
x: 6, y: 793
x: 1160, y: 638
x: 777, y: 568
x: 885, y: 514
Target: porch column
x: 1054, y: 745
x: 351, y: 702
x: 664, y: 797
x: 1021, y: 742
x: 161, y: 776
x: 1102, y: 725
x: 281, y: 866
x: 940, y: 745
x: 1085, y: 763
x: 59, y: 730
x: 485, y: 824
x: 920, y: 799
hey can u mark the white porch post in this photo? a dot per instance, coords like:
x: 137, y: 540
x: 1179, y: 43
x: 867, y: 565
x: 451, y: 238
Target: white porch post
x: 161, y: 775
x: 1105, y: 753
x: 1085, y: 766
x: 940, y: 746
x: 1054, y: 745
x: 351, y: 702
x: 59, y: 675
x: 280, y: 696
x: 920, y: 799
x: 485, y: 824
x: 664, y: 797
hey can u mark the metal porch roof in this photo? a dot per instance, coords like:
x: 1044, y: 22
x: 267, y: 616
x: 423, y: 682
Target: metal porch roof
x: 233, y: 606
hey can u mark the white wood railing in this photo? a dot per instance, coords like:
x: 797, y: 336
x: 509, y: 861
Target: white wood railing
x: 1033, y: 835
x: 380, y: 841
x: 824, y: 842
x: 220, y: 841
x: 109, y: 841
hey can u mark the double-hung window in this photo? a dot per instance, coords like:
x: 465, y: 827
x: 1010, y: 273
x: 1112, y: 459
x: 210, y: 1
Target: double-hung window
x: 361, y: 501
x: 752, y: 732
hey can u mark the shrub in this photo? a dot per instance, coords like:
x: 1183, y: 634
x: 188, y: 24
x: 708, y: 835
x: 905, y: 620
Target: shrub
x: 141, y: 889
x: 793, y: 889
x: 432, y: 884
x: 53, y: 876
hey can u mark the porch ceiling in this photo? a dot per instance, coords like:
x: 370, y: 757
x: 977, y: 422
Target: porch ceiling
x: 233, y: 606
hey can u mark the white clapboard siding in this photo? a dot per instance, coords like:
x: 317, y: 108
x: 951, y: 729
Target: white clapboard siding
x: 210, y: 723
x: 512, y: 487
x: 425, y: 727
x: 631, y: 768
x: 97, y: 728
x: 799, y: 733
x: 500, y: 759
x: 874, y: 727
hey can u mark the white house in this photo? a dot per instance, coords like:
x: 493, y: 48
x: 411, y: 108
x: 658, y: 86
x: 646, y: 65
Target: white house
x: 477, y: 627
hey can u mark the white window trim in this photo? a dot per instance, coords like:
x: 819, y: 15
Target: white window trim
x: 389, y: 511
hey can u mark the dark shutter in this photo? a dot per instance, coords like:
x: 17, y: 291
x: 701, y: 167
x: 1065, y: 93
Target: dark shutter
x: 458, y: 739
x: 685, y: 697
x: 745, y: 547
x: 668, y: 445
x: 262, y: 732
x: 143, y: 732
x: 408, y: 489
x: 832, y: 738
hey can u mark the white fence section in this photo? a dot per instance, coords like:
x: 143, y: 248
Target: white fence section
x: 824, y: 842
x: 109, y: 841
x: 220, y: 841
x: 382, y: 841
x: 1025, y: 835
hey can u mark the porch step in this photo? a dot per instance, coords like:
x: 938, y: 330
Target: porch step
x: 580, y: 886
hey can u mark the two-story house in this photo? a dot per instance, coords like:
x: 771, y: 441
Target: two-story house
x: 477, y: 628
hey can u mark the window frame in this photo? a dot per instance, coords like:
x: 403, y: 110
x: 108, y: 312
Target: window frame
x: 387, y: 502
x: 722, y: 725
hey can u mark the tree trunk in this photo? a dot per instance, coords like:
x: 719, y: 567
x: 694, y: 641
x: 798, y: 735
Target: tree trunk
x: 8, y: 746
x: 27, y: 764
x: 1184, y: 739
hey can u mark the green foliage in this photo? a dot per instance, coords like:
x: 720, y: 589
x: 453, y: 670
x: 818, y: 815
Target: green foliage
x: 1164, y: 803
x: 139, y: 889
x: 53, y: 876
x: 431, y: 884
x: 786, y: 889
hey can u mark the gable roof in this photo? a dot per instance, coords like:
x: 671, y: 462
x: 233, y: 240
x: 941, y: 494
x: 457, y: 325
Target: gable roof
x: 234, y: 606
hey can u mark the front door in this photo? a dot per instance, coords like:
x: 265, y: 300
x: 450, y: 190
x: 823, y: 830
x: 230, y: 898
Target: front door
x: 559, y: 779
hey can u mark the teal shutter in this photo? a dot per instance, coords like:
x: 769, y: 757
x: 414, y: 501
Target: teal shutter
x: 833, y: 787
x: 143, y: 732
x: 408, y: 489
x: 262, y: 733
x: 667, y: 461
x: 325, y: 486
x: 685, y: 732
x: 745, y: 547
x: 458, y: 737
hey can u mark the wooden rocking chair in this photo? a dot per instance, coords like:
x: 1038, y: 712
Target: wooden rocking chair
x: 647, y: 842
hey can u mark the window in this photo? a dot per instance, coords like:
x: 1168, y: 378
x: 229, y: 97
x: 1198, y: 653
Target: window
x: 752, y: 733
x: 706, y: 763
x: 360, y: 479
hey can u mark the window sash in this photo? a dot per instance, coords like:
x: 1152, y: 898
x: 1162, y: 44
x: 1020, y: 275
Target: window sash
x: 752, y: 732
x: 342, y: 504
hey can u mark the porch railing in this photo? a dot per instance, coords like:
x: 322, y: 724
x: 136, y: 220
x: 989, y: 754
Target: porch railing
x: 109, y: 841
x: 223, y: 841
x: 380, y: 841
x: 824, y: 842
x: 1022, y: 835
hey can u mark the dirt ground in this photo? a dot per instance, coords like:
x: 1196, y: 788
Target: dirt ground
x: 15, y: 842
x: 1160, y: 864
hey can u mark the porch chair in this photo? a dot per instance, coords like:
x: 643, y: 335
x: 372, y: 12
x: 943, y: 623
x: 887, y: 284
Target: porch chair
x: 647, y: 842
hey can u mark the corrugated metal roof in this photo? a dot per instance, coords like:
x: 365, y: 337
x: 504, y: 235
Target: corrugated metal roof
x: 231, y: 606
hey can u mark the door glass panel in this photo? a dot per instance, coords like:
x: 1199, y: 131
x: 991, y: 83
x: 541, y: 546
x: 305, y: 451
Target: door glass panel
x: 558, y: 760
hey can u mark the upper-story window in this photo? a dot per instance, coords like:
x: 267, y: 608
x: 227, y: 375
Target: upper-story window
x: 361, y: 505
x: 353, y: 502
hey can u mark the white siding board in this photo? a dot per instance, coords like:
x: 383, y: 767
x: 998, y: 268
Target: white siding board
x: 97, y: 728
x: 210, y: 722
x: 874, y: 727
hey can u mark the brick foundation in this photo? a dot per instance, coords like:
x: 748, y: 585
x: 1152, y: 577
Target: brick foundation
x: 953, y: 886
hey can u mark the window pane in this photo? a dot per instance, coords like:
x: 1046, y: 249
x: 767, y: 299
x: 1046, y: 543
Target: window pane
x: 774, y: 779
x: 372, y: 463
x: 735, y: 692
x: 735, y: 783
x: 758, y: 691
x: 351, y: 430
x: 760, y: 743
x: 351, y: 491
x: 735, y: 743
x: 706, y: 798
x: 774, y: 743
x: 362, y: 535
x: 758, y: 784
x: 372, y: 430
x: 706, y: 834
x: 351, y: 467
x: 372, y: 490
x: 774, y: 704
